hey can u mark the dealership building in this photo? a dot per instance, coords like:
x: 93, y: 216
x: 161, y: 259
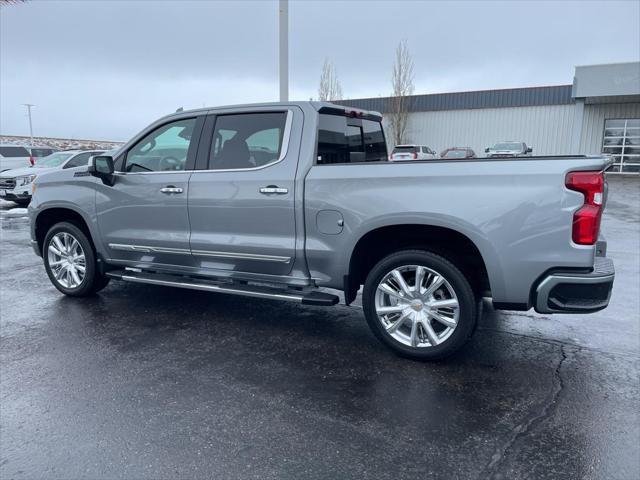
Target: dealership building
x: 599, y: 112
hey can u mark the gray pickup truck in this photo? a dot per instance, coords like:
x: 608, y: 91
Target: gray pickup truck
x: 291, y: 200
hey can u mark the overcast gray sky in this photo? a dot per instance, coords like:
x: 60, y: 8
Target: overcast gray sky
x: 104, y: 70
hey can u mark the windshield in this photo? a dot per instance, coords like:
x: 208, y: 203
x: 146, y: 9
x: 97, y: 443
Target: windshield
x: 455, y: 154
x: 507, y: 146
x: 53, y: 160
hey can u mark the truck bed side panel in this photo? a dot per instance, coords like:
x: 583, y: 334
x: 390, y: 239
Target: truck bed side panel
x: 518, y: 213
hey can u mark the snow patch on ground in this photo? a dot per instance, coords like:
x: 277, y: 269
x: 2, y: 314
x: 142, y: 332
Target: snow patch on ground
x: 15, y: 213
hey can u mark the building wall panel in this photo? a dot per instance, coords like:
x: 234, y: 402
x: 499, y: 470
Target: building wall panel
x: 547, y: 128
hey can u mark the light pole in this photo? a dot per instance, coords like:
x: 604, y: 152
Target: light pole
x: 29, y: 106
x: 283, y: 21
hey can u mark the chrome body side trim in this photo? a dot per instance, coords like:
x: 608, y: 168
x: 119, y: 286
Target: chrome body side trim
x: 200, y: 253
x: 148, y: 249
x: 241, y: 256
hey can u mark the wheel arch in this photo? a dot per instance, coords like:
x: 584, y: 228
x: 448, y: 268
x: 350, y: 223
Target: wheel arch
x: 47, y: 218
x: 449, y: 243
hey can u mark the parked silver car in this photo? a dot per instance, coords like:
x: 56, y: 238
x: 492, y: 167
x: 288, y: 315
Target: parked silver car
x: 509, y: 149
x: 15, y: 184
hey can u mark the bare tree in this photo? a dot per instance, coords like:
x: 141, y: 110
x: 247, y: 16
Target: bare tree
x: 330, y: 88
x: 402, y: 89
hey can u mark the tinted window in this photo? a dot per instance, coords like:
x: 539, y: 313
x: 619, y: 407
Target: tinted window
x: 375, y: 146
x: 80, y: 160
x: 247, y: 140
x: 361, y: 141
x: 409, y: 149
x: 14, y: 152
x: 507, y: 146
x: 163, y: 150
x: 41, y: 152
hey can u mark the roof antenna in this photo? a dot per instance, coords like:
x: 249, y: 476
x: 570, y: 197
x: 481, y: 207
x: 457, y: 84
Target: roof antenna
x: 179, y: 110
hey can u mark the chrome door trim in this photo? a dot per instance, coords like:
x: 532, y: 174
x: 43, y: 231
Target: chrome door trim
x: 215, y: 273
x: 148, y: 249
x: 283, y: 150
x: 241, y: 256
x: 200, y: 253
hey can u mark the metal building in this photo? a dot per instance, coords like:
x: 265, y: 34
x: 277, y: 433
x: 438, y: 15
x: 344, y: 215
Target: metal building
x: 599, y: 112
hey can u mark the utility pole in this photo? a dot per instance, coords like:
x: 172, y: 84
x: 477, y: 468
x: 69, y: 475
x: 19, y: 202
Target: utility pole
x: 29, y: 106
x: 283, y: 20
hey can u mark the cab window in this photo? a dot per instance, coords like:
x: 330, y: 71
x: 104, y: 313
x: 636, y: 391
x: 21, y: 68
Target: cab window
x: 163, y: 150
x: 247, y: 140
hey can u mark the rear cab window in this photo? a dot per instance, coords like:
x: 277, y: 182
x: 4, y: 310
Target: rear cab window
x: 344, y: 139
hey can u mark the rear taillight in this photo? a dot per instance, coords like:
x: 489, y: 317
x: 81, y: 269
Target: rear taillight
x: 415, y: 156
x: 586, y: 220
x: 32, y: 160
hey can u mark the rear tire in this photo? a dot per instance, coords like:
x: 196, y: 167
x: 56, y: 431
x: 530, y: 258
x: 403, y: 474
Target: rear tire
x: 419, y: 304
x: 70, y: 261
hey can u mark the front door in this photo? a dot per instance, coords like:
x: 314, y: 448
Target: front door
x: 143, y: 217
x: 241, y: 206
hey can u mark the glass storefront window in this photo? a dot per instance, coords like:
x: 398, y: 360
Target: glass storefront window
x: 622, y: 140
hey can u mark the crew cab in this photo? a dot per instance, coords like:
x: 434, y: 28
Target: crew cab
x: 293, y: 201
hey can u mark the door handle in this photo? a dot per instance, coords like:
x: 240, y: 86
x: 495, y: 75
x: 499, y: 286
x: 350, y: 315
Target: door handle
x: 171, y: 189
x: 273, y: 189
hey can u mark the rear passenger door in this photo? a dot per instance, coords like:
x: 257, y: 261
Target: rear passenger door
x: 242, y: 193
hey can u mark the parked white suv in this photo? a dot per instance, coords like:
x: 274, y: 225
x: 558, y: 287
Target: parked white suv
x: 15, y: 184
x: 412, y: 152
x: 19, y: 156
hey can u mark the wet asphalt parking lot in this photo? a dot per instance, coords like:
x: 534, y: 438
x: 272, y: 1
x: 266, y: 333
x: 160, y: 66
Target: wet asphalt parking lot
x: 150, y: 382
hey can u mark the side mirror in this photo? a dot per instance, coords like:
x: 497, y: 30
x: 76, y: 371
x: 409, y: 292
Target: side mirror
x: 529, y: 149
x: 101, y: 166
x: 486, y: 150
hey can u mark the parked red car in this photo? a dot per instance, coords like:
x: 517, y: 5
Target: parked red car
x: 457, y: 153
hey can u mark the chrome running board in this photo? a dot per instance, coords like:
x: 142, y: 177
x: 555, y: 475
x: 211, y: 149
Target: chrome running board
x: 307, y: 297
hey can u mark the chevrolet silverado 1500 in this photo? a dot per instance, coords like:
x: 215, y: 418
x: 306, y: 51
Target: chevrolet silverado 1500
x: 290, y: 200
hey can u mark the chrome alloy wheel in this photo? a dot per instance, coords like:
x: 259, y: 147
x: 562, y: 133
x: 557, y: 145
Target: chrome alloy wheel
x: 66, y: 260
x: 417, y: 306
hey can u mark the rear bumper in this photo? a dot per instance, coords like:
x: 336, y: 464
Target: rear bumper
x: 572, y: 292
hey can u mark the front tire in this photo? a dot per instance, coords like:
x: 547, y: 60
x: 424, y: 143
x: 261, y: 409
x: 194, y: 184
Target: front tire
x: 419, y: 304
x: 70, y: 261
